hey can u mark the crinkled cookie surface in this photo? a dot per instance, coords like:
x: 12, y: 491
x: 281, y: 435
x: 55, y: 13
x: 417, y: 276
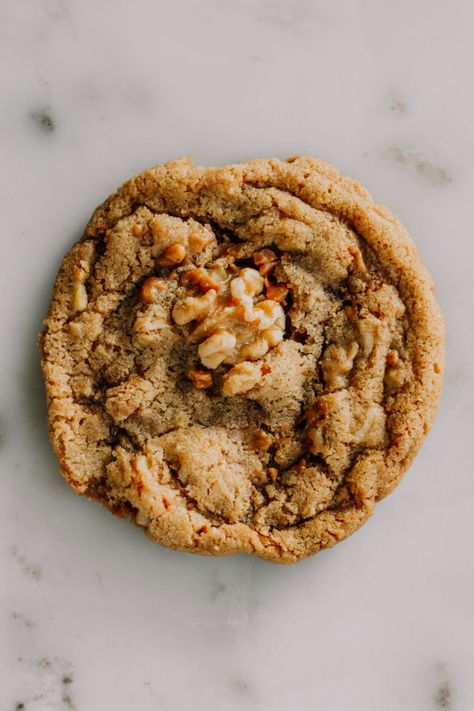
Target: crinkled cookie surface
x: 242, y: 359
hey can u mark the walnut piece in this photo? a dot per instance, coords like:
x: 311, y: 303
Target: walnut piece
x: 199, y: 240
x: 174, y: 254
x: 266, y: 261
x: 215, y: 349
x: 336, y: 363
x: 193, y: 307
x: 234, y: 322
x: 201, y: 279
x: 241, y: 378
x: 79, y: 293
x: 201, y: 379
x: 277, y: 292
x: 150, y: 289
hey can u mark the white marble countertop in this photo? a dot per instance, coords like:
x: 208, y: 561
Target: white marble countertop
x: 94, y: 616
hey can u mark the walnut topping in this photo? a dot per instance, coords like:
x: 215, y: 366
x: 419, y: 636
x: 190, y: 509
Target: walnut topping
x: 266, y: 261
x: 241, y: 378
x: 337, y: 362
x: 249, y: 283
x: 201, y: 279
x: 254, y: 350
x: 201, y: 379
x: 174, y: 254
x: 142, y: 519
x: 149, y: 324
x: 215, y: 349
x: 193, y: 307
x: 368, y: 330
x: 262, y: 441
x: 272, y: 473
x: 150, y: 289
x: 199, y: 240
x: 139, y: 229
x: 233, y: 321
x: 79, y: 293
x: 373, y: 422
x: 79, y: 301
x: 277, y: 292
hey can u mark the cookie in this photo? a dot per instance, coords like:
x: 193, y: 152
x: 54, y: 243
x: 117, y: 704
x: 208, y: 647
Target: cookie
x: 242, y: 359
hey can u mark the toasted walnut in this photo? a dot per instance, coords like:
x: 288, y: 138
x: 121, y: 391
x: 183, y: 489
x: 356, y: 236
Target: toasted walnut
x: 201, y: 379
x: 193, y: 307
x: 368, y: 330
x: 266, y: 314
x: 215, y: 349
x: 201, y: 279
x: 229, y: 324
x: 272, y: 473
x: 269, y: 339
x: 273, y: 336
x: 337, y: 362
x: 266, y: 269
x: 139, y: 229
x: 148, y: 325
x: 253, y: 281
x: 142, y: 519
x: 79, y: 298
x: 372, y: 429
x: 266, y: 261
x: 79, y: 301
x: 395, y: 374
x: 150, y: 289
x: 254, y: 350
x: 174, y: 254
x: 263, y: 256
x: 249, y: 283
x: 241, y: 378
x: 394, y: 377
x: 199, y: 240
x: 277, y: 292
x: 262, y: 441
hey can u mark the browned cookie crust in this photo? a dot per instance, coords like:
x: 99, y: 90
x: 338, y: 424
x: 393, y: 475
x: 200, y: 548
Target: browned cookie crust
x: 243, y: 358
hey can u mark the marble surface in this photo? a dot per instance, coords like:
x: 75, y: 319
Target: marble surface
x: 94, y: 616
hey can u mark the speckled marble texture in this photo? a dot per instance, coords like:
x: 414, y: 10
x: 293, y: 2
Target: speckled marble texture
x: 93, y: 615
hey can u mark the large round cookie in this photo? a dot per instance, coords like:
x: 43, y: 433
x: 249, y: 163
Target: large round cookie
x: 243, y: 358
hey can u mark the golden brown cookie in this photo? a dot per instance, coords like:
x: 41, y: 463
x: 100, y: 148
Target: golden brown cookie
x: 243, y: 358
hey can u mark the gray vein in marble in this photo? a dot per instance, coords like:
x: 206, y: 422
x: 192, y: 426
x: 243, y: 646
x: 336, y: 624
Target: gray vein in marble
x: 52, y: 683
x: 443, y: 695
x: 295, y: 15
x: 217, y: 588
x: 396, y: 104
x: 22, y: 620
x: 43, y: 120
x: 30, y: 569
x: 241, y: 688
x: 411, y: 160
x: 160, y: 698
x: 58, y: 10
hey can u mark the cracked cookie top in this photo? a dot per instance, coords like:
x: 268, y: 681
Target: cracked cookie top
x: 243, y: 358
